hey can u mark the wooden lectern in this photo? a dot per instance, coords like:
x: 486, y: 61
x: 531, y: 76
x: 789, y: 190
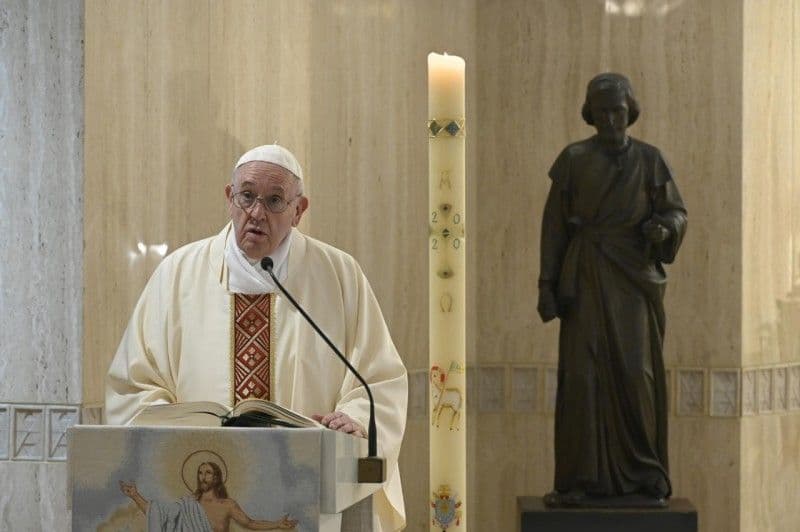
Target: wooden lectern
x: 133, y: 478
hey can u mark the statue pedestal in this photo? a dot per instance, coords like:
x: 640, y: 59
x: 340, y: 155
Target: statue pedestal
x: 533, y: 516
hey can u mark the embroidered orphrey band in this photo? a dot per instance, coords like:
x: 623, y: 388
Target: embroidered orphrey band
x: 251, y: 343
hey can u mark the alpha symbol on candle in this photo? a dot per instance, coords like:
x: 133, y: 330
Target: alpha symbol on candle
x: 445, y: 180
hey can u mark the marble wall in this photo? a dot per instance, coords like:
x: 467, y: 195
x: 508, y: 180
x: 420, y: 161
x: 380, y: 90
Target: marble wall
x: 41, y: 238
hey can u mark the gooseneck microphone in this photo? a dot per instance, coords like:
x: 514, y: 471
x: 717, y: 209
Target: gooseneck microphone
x: 372, y: 468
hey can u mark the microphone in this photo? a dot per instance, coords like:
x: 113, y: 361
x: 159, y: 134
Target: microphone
x: 372, y: 468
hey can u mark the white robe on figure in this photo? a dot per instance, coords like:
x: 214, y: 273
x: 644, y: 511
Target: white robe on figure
x: 178, y: 346
x: 183, y: 515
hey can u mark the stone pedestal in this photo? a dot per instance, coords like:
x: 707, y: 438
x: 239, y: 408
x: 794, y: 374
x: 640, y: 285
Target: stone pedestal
x: 534, y: 516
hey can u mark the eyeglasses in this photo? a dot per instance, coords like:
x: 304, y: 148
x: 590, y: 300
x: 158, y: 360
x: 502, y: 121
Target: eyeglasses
x: 246, y: 201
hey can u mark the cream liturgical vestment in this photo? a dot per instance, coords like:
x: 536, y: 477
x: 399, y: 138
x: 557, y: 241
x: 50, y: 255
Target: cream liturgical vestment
x: 178, y: 346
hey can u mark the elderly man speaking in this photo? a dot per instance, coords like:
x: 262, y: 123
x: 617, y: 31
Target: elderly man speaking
x: 209, y: 307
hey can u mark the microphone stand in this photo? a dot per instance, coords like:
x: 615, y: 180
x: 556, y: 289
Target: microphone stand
x: 372, y: 468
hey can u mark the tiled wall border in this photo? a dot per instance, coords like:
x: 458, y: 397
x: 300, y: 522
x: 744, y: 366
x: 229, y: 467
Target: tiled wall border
x: 692, y: 391
x: 38, y: 432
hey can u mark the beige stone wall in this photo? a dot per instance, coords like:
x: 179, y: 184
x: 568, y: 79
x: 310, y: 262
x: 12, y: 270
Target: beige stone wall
x: 685, y: 66
x: 770, y: 452
x: 175, y: 91
x: 178, y: 90
x: 769, y: 182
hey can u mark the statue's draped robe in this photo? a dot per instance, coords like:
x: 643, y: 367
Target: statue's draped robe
x: 184, y: 515
x: 179, y: 342
x: 611, y: 404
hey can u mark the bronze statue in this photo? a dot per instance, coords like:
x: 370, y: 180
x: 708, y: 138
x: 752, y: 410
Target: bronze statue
x: 612, y: 217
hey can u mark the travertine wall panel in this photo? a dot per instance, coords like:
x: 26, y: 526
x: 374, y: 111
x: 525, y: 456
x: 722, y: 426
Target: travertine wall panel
x: 368, y: 167
x: 147, y: 128
x: 684, y: 60
x: 35, y: 497
x: 535, y: 72
x: 771, y: 288
x: 41, y: 209
x: 769, y: 181
x: 770, y: 473
x: 705, y: 467
x: 41, y: 129
x: 180, y: 89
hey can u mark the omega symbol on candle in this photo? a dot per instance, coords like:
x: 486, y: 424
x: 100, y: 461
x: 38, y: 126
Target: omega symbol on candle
x: 446, y: 302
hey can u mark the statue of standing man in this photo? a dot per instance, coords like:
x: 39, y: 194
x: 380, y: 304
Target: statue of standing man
x: 612, y: 217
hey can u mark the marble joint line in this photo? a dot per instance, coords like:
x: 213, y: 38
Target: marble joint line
x: 38, y: 432
x: 691, y: 391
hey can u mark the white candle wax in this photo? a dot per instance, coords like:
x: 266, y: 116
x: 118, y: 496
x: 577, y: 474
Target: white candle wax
x: 447, y: 290
x: 445, y: 86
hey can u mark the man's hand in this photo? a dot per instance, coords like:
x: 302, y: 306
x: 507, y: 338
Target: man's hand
x: 341, y: 422
x: 128, y: 488
x: 654, y: 232
x: 548, y: 306
x: 285, y: 523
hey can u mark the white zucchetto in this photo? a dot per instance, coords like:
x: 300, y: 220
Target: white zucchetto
x: 275, y: 154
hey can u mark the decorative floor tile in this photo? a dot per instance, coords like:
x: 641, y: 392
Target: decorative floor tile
x: 550, y: 389
x: 725, y: 392
x: 749, y: 397
x: 5, y: 431
x: 668, y: 377
x: 27, y: 432
x: 59, y: 419
x: 764, y: 390
x: 524, y: 388
x: 691, y: 392
x: 780, y: 399
x: 793, y: 385
x: 492, y: 388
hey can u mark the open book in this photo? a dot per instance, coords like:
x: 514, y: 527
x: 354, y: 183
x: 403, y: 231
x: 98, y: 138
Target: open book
x: 247, y: 413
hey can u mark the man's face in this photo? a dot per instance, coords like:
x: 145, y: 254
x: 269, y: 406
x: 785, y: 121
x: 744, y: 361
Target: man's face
x: 258, y: 230
x: 205, y: 478
x: 609, y: 109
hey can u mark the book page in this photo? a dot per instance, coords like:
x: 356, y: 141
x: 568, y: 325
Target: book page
x: 273, y: 409
x: 193, y: 414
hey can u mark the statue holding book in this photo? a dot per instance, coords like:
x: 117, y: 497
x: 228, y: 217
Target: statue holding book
x: 613, y: 216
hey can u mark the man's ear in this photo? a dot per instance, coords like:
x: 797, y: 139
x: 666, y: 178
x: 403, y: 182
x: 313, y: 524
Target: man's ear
x: 302, y: 205
x: 228, y: 192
